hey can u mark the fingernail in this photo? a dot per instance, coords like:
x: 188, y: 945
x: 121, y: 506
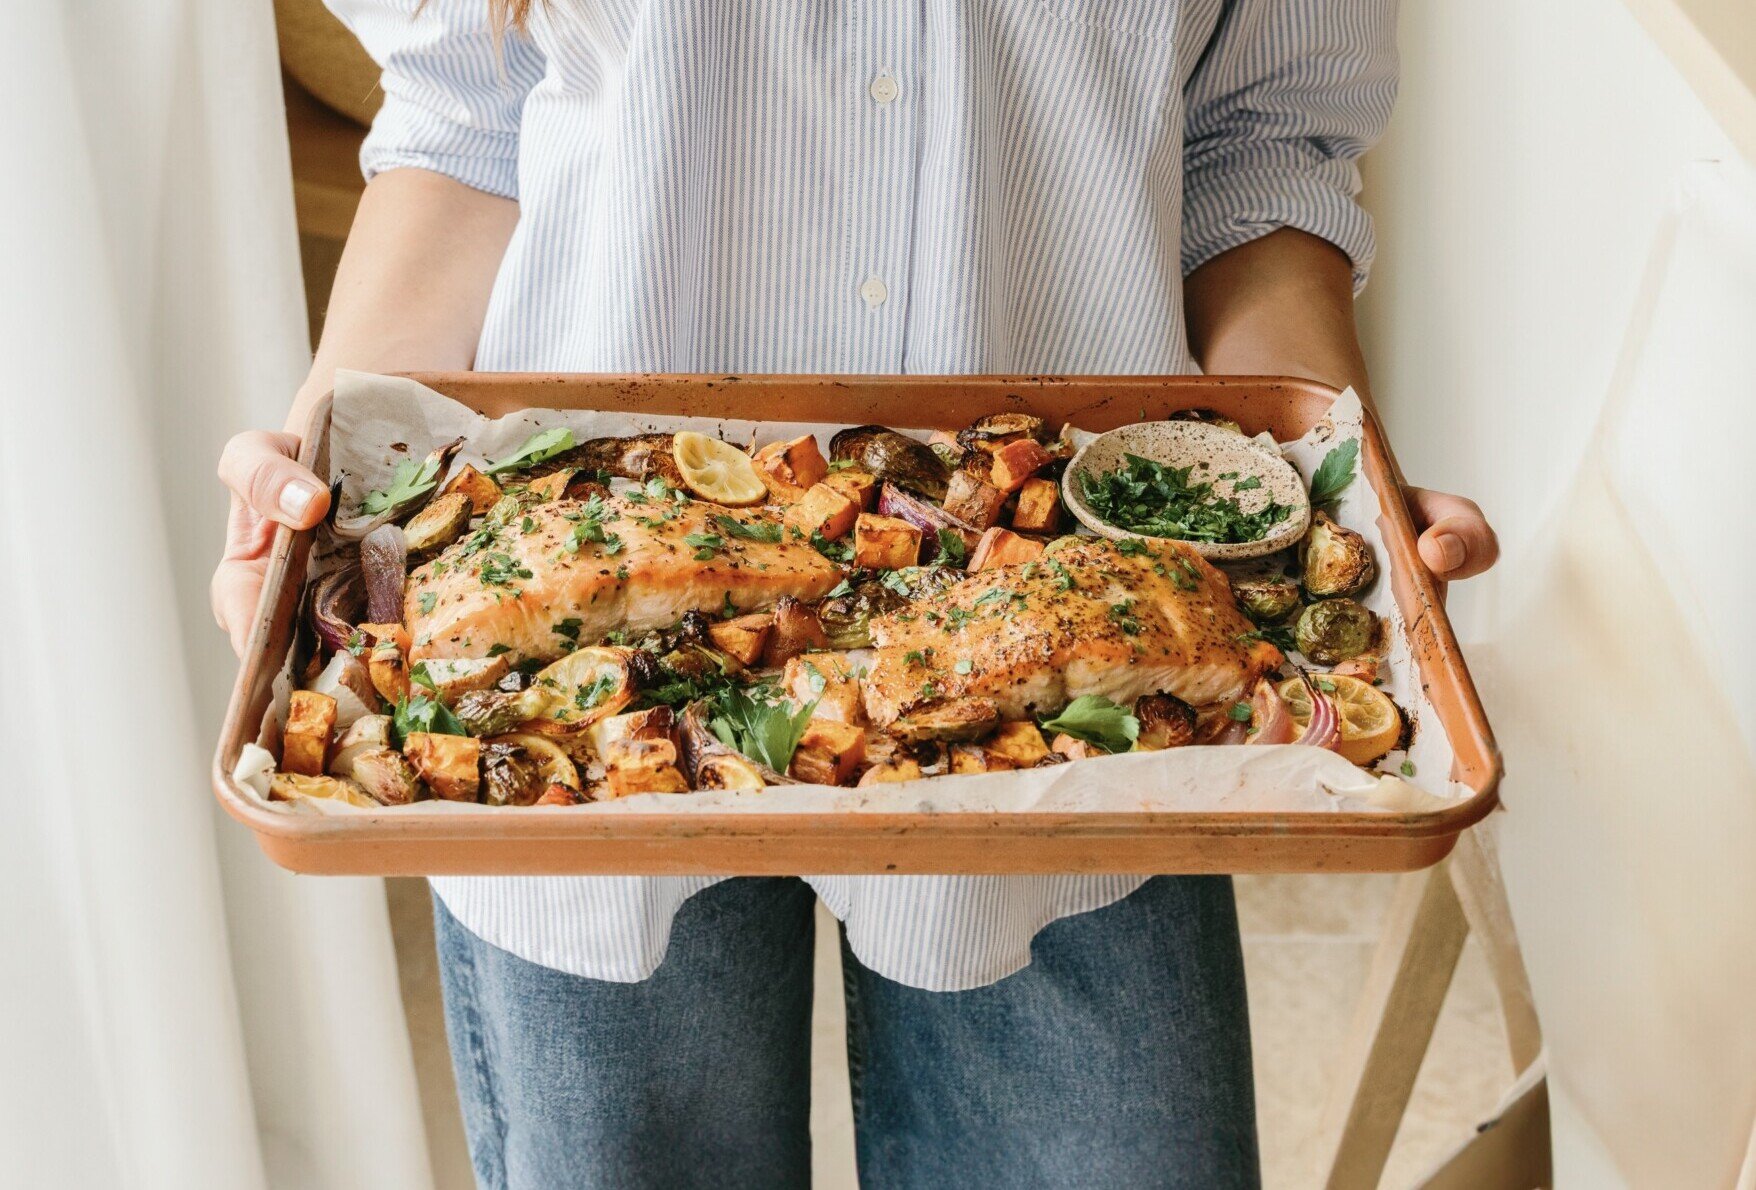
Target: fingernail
x: 296, y: 497
x: 1451, y: 551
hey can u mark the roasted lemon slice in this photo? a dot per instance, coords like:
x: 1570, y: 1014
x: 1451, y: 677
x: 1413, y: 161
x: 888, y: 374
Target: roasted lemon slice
x: 717, y: 471
x: 1370, y: 723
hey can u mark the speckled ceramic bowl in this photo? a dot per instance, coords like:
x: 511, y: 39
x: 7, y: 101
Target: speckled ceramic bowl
x: 1212, y: 451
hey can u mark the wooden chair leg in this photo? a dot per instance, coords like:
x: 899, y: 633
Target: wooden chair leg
x: 1393, y: 1024
x: 1475, y: 874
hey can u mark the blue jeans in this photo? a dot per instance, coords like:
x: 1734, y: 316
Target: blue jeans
x: 1119, y: 1057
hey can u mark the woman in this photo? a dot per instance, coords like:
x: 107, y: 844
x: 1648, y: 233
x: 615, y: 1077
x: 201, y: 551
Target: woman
x: 1003, y: 186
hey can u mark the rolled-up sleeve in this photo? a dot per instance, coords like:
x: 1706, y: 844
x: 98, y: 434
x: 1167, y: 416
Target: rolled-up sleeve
x: 452, y: 93
x: 1287, y: 97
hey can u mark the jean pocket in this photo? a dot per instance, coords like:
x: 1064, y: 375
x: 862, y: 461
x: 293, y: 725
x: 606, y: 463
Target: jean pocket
x: 1154, y: 19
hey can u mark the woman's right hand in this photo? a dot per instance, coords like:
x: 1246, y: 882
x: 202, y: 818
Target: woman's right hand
x: 268, y: 488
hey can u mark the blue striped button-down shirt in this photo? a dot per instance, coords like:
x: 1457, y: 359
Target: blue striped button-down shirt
x: 868, y: 186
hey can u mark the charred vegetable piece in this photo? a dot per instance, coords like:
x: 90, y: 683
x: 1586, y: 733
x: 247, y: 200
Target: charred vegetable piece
x: 954, y: 719
x: 553, y: 486
x: 1267, y: 599
x: 726, y: 770
x: 511, y: 775
x: 653, y: 723
x: 384, y: 559
x: 643, y: 766
x: 824, y: 510
x: 1166, y: 721
x: 388, y: 666
x: 796, y: 630
x: 285, y: 787
x: 971, y: 501
x: 885, y: 543
x: 561, y: 795
x: 1075, y: 749
x: 481, y: 490
x: 1039, y: 507
x: 1337, y: 561
x: 997, y: 429
x: 310, y: 725
x: 828, y: 752
x: 449, y: 764
x: 438, y: 525
x: 978, y: 758
x: 347, y: 680
x: 1002, y: 547
x: 744, y: 638
x: 892, y: 772
x: 338, y: 602
x: 368, y: 732
x: 894, y: 458
x: 639, y: 456
x: 494, y: 712
x: 1333, y: 630
x: 1020, y: 742
x: 386, y: 776
x: 1016, y: 462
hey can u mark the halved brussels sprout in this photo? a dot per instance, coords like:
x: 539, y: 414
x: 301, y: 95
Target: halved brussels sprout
x: 1333, y: 630
x: 437, y: 525
x: 494, y: 712
x: 386, y: 776
x: 894, y: 458
x: 1166, y: 721
x: 1337, y: 561
x: 1267, y: 599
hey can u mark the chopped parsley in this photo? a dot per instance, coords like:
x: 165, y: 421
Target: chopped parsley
x: 835, y: 551
x: 568, y: 629
x: 1408, y: 768
x: 1147, y: 497
x: 1131, y: 547
x: 426, y: 601
x: 357, y: 642
x: 1122, y: 616
x: 587, y: 697
x: 748, y: 530
x: 417, y: 712
x: 706, y: 544
x: 963, y: 666
x: 1238, y: 712
x: 952, y: 547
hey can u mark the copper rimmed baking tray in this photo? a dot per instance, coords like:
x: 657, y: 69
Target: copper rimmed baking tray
x: 499, y: 841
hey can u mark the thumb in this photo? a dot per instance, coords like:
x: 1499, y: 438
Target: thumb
x: 259, y: 468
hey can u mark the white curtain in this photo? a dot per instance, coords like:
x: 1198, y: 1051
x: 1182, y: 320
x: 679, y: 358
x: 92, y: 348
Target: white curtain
x: 174, y: 1012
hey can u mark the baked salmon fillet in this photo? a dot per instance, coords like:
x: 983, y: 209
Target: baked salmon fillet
x: 577, y: 570
x: 1085, y: 619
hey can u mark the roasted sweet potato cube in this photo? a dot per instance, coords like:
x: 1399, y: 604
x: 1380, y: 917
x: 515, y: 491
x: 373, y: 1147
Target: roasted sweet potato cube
x: 1039, y: 507
x: 310, y: 724
x: 856, y: 483
x: 1016, y: 462
x: 744, y: 638
x: 796, y: 630
x: 829, y: 679
x: 973, y: 500
x: 481, y: 489
x: 552, y: 486
x: 643, y: 766
x: 449, y: 764
x: 396, y: 634
x: 795, y: 464
x: 1020, y: 742
x: 1075, y: 749
x: 828, y: 752
x: 885, y: 542
x: 1002, y: 547
x: 388, y: 667
x: 893, y: 771
x: 824, y: 509
x: 556, y: 794
x: 978, y: 758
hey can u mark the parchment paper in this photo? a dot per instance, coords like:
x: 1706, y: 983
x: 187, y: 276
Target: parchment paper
x: 378, y: 421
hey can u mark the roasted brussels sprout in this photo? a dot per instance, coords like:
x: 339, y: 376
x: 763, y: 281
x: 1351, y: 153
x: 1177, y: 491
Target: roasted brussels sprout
x: 847, y: 618
x: 1267, y: 599
x: 1337, y: 561
x: 954, y: 720
x: 1166, y: 721
x: 437, y: 525
x: 997, y: 429
x: 1212, y: 417
x: 493, y: 712
x: 511, y: 776
x: 1333, y: 630
x: 893, y: 457
x: 386, y: 775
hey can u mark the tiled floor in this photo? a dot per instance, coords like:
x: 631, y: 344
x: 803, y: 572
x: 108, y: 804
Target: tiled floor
x: 1307, y: 943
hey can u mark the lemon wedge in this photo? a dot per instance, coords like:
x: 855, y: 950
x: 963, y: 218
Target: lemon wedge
x: 1370, y: 722
x: 717, y: 471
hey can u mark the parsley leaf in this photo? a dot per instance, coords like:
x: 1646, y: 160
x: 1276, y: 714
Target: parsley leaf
x: 1238, y: 712
x: 427, y: 600
x: 417, y: 712
x: 1335, y: 472
x: 750, y: 531
x: 951, y: 547
x: 538, y: 448
x: 1408, y: 768
x: 766, y: 732
x: 1096, y: 720
x: 411, y: 478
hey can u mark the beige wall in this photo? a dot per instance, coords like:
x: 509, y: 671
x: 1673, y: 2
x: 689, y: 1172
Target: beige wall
x: 1533, y: 159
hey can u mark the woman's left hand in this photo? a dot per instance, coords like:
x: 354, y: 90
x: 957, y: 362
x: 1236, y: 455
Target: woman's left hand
x: 1456, y: 540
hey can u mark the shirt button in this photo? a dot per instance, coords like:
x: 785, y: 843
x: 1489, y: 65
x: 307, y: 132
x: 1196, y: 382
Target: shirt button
x: 873, y: 292
x: 884, y: 88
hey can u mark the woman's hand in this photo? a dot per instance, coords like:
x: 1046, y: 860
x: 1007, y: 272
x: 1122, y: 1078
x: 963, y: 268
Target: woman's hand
x: 1456, y: 540
x: 268, y: 488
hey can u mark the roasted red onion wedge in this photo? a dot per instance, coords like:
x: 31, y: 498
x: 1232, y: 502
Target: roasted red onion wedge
x: 1269, y: 715
x: 1324, y: 729
x: 337, y: 601
x: 384, y: 561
